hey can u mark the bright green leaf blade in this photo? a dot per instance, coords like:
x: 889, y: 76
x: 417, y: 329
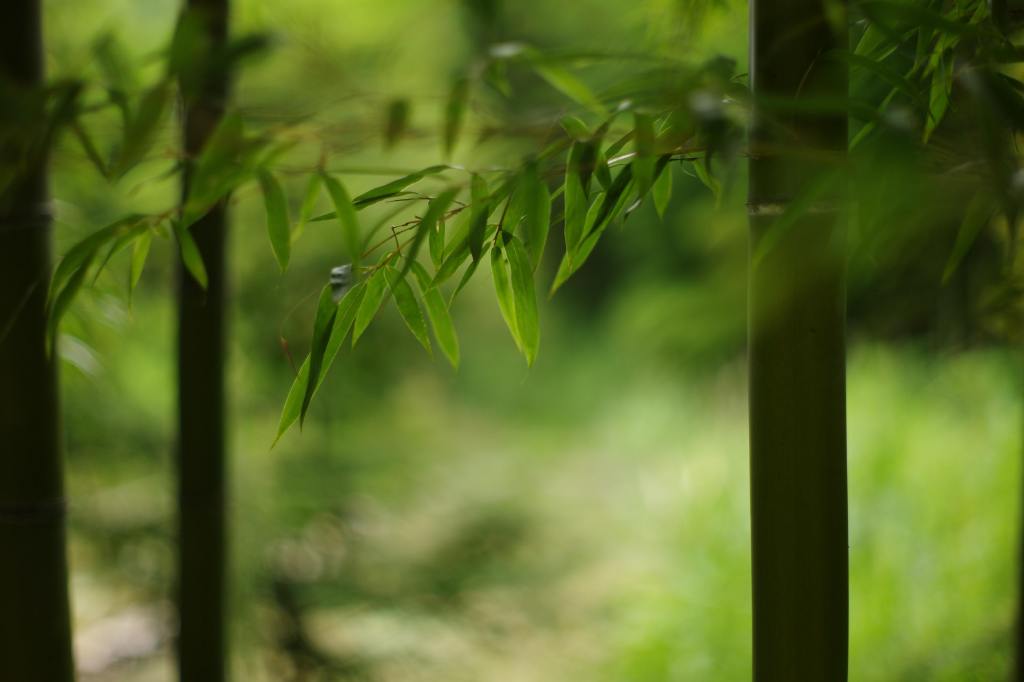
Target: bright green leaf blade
x: 293, y: 403
x: 643, y: 163
x: 191, y: 257
x: 347, y: 218
x: 408, y: 306
x: 503, y: 290
x: 326, y: 311
x: 537, y: 205
x: 570, y: 86
x: 308, y: 203
x: 277, y: 217
x: 140, y: 252
x: 525, y: 299
x: 376, y: 290
x: 436, y: 243
x: 434, y: 213
x: 662, y: 190
x: 440, y: 318
x: 480, y: 208
x: 455, y: 114
x: 393, y: 188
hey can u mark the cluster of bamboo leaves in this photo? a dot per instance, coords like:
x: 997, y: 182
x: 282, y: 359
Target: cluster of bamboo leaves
x: 610, y: 151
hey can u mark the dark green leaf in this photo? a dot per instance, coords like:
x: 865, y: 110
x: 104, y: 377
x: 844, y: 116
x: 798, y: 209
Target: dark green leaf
x: 979, y: 212
x: 480, y: 209
x: 643, y: 163
x: 437, y: 236
x: 293, y: 403
x: 503, y: 290
x: 393, y: 188
x: 435, y: 212
x: 326, y: 311
x: 376, y: 290
x: 524, y: 298
x: 537, y: 212
x: 440, y: 319
x: 398, y: 121
x: 662, y: 190
x: 408, y: 306
x: 141, y: 130
x: 347, y: 218
x: 191, y: 257
x: 277, y: 217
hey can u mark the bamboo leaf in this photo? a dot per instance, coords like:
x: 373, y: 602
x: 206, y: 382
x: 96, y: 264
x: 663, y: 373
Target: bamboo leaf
x: 141, y: 130
x: 480, y: 208
x: 326, y: 311
x: 662, y: 190
x: 575, y: 128
x: 435, y: 212
x: 455, y: 114
x: 503, y: 290
x: 277, y: 217
x: 190, y: 256
x: 347, y: 218
x: 140, y: 252
x: 408, y: 306
x: 376, y: 290
x: 537, y: 205
x: 393, y: 188
x: 293, y: 403
x: 570, y: 86
x: 436, y: 244
x: 308, y: 203
x: 575, y: 210
x: 524, y: 298
x: 643, y: 163
x: 440, y: 318
x: 979, y: 212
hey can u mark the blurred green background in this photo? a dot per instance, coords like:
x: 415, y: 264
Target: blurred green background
x: 583, y: 520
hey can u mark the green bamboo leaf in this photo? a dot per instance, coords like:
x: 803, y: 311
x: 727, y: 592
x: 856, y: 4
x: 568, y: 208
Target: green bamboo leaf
x: 277, y: 217
x: 308, y: 204
x: 348, y: 306
x: 191, y: 257
x: 84, y: 251
x: 643, y: 163
x: 440, y: 318
x: 376, y: 290
x: 570, y: 86
x: 537, y: 213
x: 451, y: 264
x: 347, y: 218
x: 480, y: 209
x: 62, y: 301
x: 979, y: 212
x: 574, y: 258
x: 467, y: 275
x: 455, y: 114
x: 575, y: 128
x: 434, y: 213
x: 293, y: 403
x: 503, y: 290
x: 436, y: 243
x: 408, y: 306
x: 393, y: 188
x: 524, y: 298
x: 141, y: 130
x: 89, y: 147
x: 326, y: 311
x: 575, y: 210
x: 938, y: 97
x: 662, y: 190
x: 140, y: 252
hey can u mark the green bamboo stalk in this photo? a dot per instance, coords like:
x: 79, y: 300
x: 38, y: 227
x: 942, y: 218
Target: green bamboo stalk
x: 797, y: 351
x: 35, y: 628
x: 202, y: 529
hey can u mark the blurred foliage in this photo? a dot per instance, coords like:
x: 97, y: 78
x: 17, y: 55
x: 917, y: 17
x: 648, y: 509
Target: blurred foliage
x: 586, y: 518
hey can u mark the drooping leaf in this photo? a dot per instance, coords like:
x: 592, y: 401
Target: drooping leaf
x: 537, y: 213
x: 347, y: 218
x: 503, y: 290
x: 524, y: 298
x: 190, y: 256
x: 308, y: 203
x: 434, y: 213
x: 455, y: 114
x: 277, y: 217
x: 979, y: 212
x: 662, y: 190
x: 326, y: 310
x: 570, y: 86
x: 293, y: 403
x: 408, y: 306
x: 643, y: 163
x: 575, y: 210
x: 140, y: 252
x: 141, y: 130
x: 480, y: 208
x: 574, y: 258
x: 575, y: 128
x: 348, y: 306
x: 81, y: 254
x: 376, y: 290
x: 391, y: 189
x: 440, y: 318
x: 436, y: 243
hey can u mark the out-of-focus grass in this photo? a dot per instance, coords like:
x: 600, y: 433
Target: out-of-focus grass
x: 440, y: 528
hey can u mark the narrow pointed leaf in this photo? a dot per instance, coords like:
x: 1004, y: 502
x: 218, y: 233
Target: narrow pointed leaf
x: 393, y: 188
x: 503, y: 290
x: 408, y: 306
x: 436, y: 243
x: 276, y: 206
x: 440, y: 318
x: 455, y: 114
x: 643, y: 163
x: 293, y: 403
x: 662, y: 190
x: 347, y: 218
x: 376, y: 290
x: 435, y: 212
x: 326, y: 310
x: 480, y: 209
x: 140, y: 252
x: 525, y: 299
x: 537, y: 204
x: 308, y: 203
x: 191, y: 257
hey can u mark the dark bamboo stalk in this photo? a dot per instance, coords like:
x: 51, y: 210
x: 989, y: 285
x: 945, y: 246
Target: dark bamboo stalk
x: 797, y: 354
x: 35, y: 629
x: 202, y: 532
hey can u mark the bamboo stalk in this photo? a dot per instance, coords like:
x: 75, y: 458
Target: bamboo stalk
x: 35, y: 629
x: 797, y: 355
x: 202, y: 529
